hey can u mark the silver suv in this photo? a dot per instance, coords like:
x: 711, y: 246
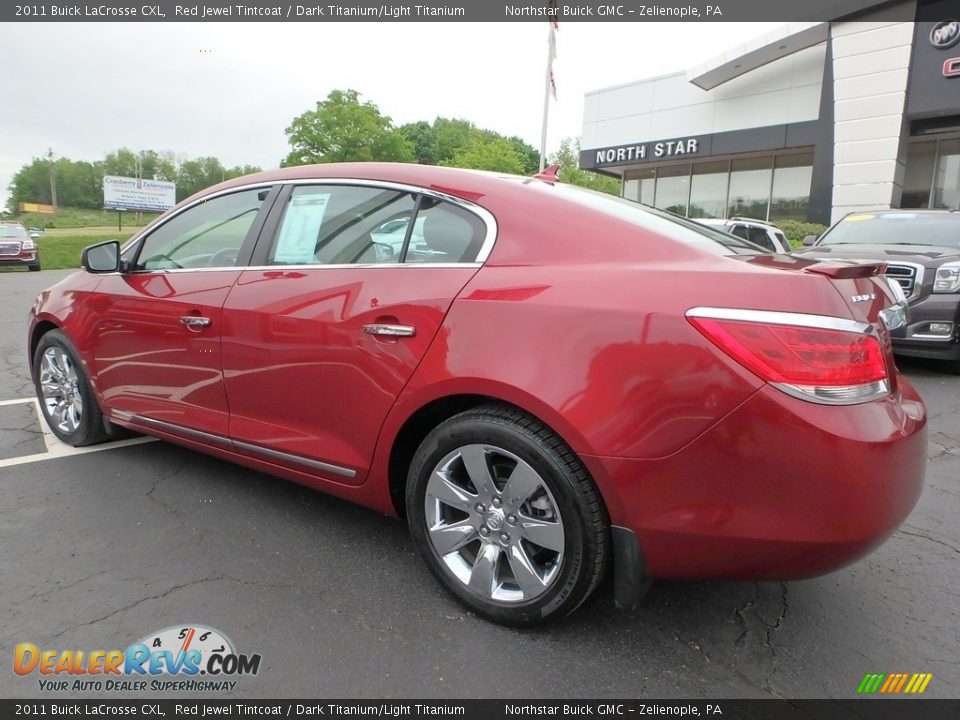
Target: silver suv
x: 758, y: 232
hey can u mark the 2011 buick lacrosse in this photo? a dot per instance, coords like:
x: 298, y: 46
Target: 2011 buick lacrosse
x: 548, y: 384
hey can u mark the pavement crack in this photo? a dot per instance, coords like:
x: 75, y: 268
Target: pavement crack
x: 768, y: 640
x: 60, y: 588
x: 134, y: 604
x: 740, y: 613
x: 924, y: 536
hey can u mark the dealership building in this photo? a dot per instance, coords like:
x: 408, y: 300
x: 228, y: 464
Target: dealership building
x: 809, y: 122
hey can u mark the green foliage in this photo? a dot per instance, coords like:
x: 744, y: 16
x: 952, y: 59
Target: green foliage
x: 459, y: 143
x: 497, y: 154
x: 421, y: 137
x: 71, y: 217
x: 342, y: 129
x: 568, y: 157
x: 796, y: 231
x: 63, y: 251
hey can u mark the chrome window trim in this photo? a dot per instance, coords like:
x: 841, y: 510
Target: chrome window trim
x: 776, y: 317
x: 489, y: 221
x: 276, y: 268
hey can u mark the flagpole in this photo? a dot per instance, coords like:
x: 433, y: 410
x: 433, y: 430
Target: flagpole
x: 546, y: 112
x: 548, y: 86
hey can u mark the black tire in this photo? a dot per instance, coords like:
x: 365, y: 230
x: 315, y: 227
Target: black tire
x: 575, y: 573
x: 90, y: 426
x: 34, y: 268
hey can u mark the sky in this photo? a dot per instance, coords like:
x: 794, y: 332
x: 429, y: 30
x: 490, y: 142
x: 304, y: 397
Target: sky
x: 231, y: 89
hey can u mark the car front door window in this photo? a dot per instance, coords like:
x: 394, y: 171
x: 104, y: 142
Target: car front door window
x: 207, y: 235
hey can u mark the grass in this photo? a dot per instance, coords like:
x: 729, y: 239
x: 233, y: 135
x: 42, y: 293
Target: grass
x: 68, y: 217
x: 62, y: 250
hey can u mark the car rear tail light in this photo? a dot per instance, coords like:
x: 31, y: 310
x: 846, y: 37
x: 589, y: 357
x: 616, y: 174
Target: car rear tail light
x: 813, y: 357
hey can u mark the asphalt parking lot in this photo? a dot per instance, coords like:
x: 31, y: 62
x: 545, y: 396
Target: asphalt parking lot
x: 101, y: 548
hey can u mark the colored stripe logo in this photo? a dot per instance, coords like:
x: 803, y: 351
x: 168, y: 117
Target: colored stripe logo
x: 894, y: 683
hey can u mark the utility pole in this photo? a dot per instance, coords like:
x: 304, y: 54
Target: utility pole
x: 53, y: 180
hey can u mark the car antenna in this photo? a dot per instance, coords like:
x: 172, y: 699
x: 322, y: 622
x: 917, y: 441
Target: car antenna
x: 549, y: 174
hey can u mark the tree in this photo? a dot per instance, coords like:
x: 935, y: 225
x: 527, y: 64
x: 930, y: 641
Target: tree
x: 341, y: 129
x: 195, y: 175
x: 447, y: 139
x: 568, y: 157
x: 31, y: 184
x: 421, y: 136
x: 496, y: 154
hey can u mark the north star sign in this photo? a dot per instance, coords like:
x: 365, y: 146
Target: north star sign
x: 647, y: 151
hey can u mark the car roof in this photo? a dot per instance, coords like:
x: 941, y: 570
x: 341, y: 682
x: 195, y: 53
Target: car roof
x: 907, y: 211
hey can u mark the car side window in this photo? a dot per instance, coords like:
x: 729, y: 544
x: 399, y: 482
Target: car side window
x: 740, y: 231
x: 782, y: 238
x: 342, y: 225
x: 206, y: 235
x: 444, y: 233
x: 759, y: 237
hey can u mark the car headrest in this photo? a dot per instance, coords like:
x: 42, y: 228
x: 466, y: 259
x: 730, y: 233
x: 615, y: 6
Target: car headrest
x: 447, y: 233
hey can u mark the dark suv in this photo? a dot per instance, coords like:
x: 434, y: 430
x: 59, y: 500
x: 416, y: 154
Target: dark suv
x: 922, y: 252
x: 17, y: 247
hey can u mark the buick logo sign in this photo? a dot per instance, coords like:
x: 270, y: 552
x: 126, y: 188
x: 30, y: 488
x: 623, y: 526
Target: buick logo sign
x: 945, y: 34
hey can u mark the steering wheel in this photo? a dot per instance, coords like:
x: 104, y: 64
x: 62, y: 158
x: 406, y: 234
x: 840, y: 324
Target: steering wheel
x: 227, y: 256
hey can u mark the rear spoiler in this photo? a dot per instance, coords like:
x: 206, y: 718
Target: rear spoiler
x: 848, y: 269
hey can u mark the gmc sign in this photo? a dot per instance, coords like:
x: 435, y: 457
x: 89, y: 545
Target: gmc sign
x: 951, y: 67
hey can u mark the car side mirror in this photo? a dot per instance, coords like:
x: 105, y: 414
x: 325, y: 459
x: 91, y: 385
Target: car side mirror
x: 809, y: 240
x: 101, y: 258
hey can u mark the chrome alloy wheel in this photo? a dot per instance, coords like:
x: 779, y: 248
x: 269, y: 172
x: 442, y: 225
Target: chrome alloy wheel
x: 494, y: 523
x: 60, y: 387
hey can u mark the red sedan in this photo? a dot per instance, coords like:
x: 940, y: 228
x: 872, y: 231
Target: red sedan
x: 548, y: 383
x: 17, y: 247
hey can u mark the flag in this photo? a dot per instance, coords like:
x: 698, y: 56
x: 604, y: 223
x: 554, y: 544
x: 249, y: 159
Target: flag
x: 552, y: 40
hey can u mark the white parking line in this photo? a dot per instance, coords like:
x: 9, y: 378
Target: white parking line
x: 55, y: 448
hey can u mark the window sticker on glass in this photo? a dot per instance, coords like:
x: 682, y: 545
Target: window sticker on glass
x: 297, y: 242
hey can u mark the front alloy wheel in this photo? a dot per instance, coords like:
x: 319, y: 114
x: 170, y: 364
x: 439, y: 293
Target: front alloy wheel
x: 66, y: 396
x: 60, y: 390
x: 506, y: 516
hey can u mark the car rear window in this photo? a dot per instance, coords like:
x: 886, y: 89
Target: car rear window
x: 896, y: 229
x: 659, y: 221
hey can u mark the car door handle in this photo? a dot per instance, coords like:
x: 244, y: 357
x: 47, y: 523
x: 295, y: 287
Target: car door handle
x: 390, y: 330
x: 195, y: 322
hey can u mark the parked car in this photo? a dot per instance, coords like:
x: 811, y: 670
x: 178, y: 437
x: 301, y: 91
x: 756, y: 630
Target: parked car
x: 758, y: 232
x: 393, y: 234
x: 566, y: 383
x: 17, y: 247
x: 921, y: 249
x: 35, y: 232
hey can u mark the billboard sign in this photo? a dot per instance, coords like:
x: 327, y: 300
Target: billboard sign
x: 126, y: 193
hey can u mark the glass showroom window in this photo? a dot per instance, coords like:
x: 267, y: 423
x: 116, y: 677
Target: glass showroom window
x: 749, y: 188
x: 921, y: 157
x: 791, y: 187
x: 673, y: 189
x: 639, y: 186
x: 708, y: 189
x: 946, y: 183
